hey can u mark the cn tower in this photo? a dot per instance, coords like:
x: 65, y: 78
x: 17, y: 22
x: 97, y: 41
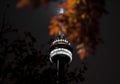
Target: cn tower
x: 60, y: 54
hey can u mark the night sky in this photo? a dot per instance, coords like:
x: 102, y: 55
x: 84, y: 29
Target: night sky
x: 104, y: 67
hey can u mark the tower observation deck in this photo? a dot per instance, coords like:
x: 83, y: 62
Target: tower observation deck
x: 60, y: 54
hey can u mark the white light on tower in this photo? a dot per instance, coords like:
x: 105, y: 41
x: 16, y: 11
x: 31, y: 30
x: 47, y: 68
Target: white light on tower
x: 61, y: 50
x: 61, y: 11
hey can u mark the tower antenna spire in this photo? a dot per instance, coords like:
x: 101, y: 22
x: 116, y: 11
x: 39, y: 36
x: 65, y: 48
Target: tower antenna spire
x: 61, y: 11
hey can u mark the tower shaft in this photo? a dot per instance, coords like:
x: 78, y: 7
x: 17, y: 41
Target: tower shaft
x: 60, y: 72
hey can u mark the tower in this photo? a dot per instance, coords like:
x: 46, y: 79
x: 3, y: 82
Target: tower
x: 60, y: 54
x: 60, y: 51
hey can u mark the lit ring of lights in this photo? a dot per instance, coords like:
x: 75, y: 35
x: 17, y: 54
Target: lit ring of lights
x: 61, y: 51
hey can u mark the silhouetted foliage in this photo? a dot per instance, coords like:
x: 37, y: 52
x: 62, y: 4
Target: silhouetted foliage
x: 22, y: 63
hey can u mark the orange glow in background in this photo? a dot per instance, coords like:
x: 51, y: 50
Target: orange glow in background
x: 80, y: 22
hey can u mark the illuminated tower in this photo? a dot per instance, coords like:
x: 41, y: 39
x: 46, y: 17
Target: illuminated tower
x: 60, y: 54
x: 60, y: 51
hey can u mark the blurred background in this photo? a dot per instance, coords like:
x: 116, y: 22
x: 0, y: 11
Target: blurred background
x: 103, y: 68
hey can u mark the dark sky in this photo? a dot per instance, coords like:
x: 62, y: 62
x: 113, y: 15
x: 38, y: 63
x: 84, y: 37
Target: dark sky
x: 104, y: 67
